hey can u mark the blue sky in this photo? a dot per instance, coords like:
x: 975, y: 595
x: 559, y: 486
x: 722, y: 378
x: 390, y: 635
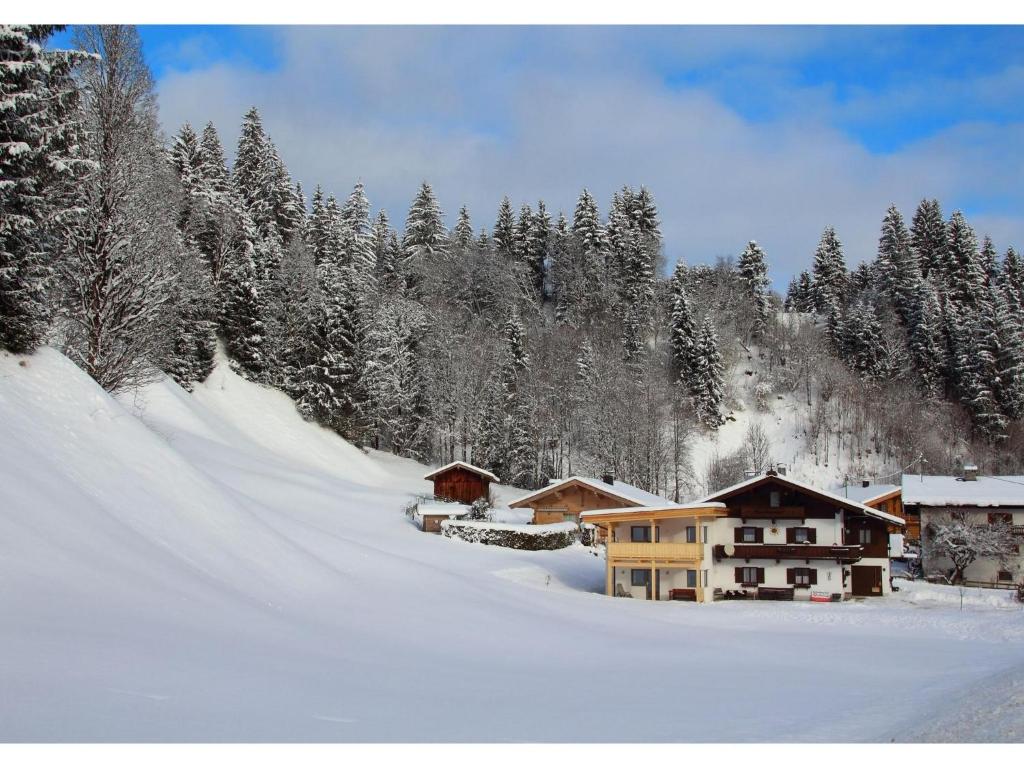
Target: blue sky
x: 765, y: 133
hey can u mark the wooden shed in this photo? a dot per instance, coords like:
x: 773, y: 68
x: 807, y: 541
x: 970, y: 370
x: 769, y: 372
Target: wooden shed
x: 461, y: 482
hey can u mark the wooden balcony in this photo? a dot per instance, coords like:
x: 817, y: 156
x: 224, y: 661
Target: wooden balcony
x: 773, y: 513
x: 658, y: 552
x: 779, y: 552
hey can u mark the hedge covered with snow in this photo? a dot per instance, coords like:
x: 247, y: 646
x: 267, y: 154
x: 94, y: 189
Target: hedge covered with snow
x: 530, y: 537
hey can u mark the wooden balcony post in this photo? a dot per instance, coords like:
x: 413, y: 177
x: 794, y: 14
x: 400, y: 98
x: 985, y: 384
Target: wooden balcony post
x: 609, y: 579
x: 700, y: 560
x: 654, y: 570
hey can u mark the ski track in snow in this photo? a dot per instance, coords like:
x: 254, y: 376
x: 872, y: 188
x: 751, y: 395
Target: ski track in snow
x: 209, y: 567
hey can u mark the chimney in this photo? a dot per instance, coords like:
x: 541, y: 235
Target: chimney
x: 865, y: 483
x: 970, y: 472
x: 782, y: 469
x: 749, y: 474
x: 608, y: 478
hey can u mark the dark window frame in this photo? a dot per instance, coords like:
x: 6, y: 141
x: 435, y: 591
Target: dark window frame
x: 644, y: 573
x: 645, y: 533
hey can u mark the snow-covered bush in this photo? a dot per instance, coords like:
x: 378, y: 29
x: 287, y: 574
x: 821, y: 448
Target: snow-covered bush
x: 528, y: 537
x: 762, y: 396
x: 962, y: 540
x: 480, y: 510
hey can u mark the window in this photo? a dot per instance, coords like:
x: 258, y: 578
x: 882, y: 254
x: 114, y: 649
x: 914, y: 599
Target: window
x: 704, y: 581
x: 691, y: 534
x: 705, y: 538
x: 1004, y: 576
x: 864, y: 536
x: 803, y: 577
x: 774, y: 499
x: 640, y: 577
x: 691, y: 579
x: 639, y: 533
x: 801, y: 535
x: 1000, y: 517
x: 750, y: 575
x: 749, y: 535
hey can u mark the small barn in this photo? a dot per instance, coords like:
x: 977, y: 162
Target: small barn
x: 461, y: 482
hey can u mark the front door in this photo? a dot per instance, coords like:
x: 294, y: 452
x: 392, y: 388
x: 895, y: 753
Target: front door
x: 867, y: 580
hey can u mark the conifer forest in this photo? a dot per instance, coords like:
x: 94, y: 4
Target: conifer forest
x: 535, y: 342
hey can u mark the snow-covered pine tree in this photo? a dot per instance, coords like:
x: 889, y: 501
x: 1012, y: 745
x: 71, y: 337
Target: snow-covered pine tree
x: 213, y: 164
x: 707, y: 378
x: 800, y: 296
x: 521, y: 455
x: 185, y: 156
x: 682, y: 330
x: 386, y: 252
x: 584, y: 285
x: 253, y: 176
x: 753, y: 270
x: 295, y: 292
x: 926, y: 340
x: 830, y: 274
x: 1009, y: 379
x: 514, y: 357
x: 329, y: 383
x: 38, y: 165
x: 638, y: 296
x: 193, y: 311
x: 462, y: 232
x: 425, y: 240
x: 287, y: 210
x: 537, y: 254
x: 897, y: 264
x: 862, y: 343
x: 489, y: 441
x: 357, y: 243
x: 928, y: 239
x: 1012, y: 279
x: 244, y: 311
x: 123, y: 244
x: 504, y: 233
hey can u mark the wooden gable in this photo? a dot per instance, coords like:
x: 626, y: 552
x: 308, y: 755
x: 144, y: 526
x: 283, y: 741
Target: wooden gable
x: 773, y: 498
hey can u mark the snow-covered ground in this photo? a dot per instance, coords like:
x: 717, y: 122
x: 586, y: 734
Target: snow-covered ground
x: 209, y: 567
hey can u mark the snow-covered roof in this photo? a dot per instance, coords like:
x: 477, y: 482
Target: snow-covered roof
x: 785, y: 480
x: 653, y: 508
x: 617, y: 488
x: 425, y: 509
x: 477, y: 470
x: 864, y: 494
x: 949, y: 490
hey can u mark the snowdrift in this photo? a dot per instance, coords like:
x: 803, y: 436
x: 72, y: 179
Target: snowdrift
x: 209, y: 567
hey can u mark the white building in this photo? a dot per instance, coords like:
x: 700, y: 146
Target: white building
x: 767, y: 537
x: 981, y: 498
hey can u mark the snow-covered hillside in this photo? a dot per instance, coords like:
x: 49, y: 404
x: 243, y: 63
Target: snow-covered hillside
x: 210, y: 567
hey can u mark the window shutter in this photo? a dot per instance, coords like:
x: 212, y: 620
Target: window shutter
x: 760, y: 575
x: 812, y: 535
x: 790, y: 537
x: 790, y: 578
x: 737, y: 535
x: 759, y: 535
x: 739, y: 575
x: 814, y: 575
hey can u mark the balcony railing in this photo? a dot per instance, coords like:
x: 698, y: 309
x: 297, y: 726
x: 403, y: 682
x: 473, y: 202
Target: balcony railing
x: 665, y: 550
x: 773, y: 513
x: 846, y: 554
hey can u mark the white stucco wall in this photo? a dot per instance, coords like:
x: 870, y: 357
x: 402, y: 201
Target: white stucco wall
x: 984, y: 570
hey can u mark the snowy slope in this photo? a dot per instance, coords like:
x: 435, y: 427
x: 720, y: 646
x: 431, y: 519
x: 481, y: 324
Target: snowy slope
x: 210, y: 567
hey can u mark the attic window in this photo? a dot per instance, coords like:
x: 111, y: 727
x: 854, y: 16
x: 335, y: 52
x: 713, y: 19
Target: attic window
x: 774, y: 499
